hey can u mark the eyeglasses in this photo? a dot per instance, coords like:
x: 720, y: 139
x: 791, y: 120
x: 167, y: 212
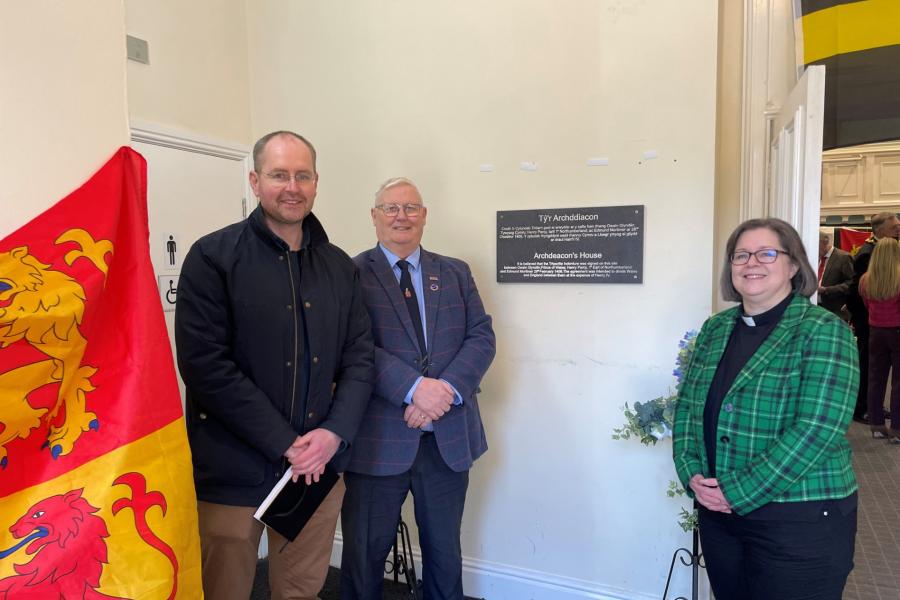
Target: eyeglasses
x: 765, y: 256
x: 392, y: 210
x: 284, y: 178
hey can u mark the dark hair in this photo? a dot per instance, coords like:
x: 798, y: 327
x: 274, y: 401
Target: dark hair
x: 804, y: 282
x: 878, y: 220
x: 260, y: 146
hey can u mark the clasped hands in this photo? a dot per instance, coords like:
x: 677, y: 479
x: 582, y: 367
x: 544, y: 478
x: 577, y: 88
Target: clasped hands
x: 310, y: 453
x: 709, y: 494
x: 432, y: 399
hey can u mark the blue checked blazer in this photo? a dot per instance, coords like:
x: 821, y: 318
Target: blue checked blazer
x: 461, y: 348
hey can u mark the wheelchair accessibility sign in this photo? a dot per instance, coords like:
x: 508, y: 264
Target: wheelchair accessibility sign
x: 168, y: 291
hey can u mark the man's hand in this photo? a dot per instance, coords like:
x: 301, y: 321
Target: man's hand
x: 415, y: 418
x: 709, y: 494
x: 310, y: 453
x: 433, y: 397
x: 821, y: 290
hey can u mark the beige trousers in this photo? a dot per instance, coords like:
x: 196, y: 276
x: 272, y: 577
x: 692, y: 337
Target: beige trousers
x: 229, y: 543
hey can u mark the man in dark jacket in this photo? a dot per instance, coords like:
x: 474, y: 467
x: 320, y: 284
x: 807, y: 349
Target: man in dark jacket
x: 884, y: 224
x: 835, y: 275
x: 275, y: 349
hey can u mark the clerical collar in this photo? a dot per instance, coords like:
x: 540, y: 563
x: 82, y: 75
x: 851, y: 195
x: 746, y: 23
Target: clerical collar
x: 773, y: 315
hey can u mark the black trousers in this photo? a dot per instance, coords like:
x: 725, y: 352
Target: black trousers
x: 371, y: 513
x: 754, y: 559
x: 884, y: 353
x: 862, y: 345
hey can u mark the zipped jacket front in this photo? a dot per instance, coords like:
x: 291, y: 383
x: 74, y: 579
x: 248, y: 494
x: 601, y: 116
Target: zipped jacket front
x: 271, y: 344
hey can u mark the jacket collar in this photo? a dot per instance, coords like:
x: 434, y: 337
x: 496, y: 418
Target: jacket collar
x: 313, y: 232
x: 770, y: 348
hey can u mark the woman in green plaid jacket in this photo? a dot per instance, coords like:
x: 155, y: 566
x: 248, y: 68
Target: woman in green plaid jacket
x: 760, y: 427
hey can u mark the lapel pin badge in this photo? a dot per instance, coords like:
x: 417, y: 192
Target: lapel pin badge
x: 434, y: 287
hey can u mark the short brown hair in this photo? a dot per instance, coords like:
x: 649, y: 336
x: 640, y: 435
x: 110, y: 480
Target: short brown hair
x: 804, y: 282
x: 880, y: 219
x: 260, y: 146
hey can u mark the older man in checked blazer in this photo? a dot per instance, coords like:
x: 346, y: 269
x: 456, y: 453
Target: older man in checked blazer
x: 422, y: 430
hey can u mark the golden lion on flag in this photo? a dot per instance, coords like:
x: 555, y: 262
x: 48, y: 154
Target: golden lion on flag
x: 45, y: 308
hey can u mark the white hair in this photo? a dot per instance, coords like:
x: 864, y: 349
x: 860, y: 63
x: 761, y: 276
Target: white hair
x: 394, y: 182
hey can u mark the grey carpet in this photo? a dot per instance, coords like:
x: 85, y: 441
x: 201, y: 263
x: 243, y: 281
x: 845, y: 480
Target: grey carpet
x: 876, y: 575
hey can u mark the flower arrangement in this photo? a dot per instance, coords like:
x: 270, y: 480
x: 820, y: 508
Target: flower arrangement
x: 653, y: 420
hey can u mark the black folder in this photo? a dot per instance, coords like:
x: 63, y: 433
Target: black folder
x: 291, y: 504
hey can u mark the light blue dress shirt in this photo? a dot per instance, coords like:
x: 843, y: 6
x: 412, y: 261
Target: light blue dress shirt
x: 415, y: 273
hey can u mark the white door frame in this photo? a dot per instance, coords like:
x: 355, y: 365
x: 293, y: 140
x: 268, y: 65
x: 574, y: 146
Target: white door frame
x: 795, y: 152
x: 766, y: 78
x: 162, y: 135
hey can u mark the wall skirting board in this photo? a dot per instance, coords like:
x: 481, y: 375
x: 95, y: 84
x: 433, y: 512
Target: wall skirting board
x: 495, y: 581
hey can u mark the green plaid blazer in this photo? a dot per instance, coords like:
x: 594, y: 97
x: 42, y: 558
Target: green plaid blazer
x: 783, y: 423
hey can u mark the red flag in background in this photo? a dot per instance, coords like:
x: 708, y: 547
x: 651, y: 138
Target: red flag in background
x: 96, y: 490
x: 852, y: 240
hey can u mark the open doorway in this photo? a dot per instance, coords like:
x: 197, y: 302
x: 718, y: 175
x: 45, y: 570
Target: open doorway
x: 857, y: 183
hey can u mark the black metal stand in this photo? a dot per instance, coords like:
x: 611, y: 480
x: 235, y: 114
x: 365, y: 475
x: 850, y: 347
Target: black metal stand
x: 403, y: 561
x: 690, y: 558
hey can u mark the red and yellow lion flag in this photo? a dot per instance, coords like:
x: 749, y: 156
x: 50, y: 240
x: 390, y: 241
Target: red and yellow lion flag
x: 852, y: 240
x: 96, y: 493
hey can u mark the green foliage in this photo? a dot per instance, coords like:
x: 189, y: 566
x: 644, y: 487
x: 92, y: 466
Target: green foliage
x: 648, y: 421
x: 687, y: 518
x: 653, y: 420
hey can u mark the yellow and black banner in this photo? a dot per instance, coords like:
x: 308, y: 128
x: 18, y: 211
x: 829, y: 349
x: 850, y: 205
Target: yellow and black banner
x: 858, y: 41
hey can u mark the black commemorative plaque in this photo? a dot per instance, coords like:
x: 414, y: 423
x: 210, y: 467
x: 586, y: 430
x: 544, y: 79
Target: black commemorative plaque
x: 571, y: 245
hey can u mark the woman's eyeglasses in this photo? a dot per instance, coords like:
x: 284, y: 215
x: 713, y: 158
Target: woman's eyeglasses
x: 765, y: 256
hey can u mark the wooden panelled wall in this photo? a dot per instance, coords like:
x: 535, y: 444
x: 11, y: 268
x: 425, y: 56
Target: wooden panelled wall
x: 861, y: 180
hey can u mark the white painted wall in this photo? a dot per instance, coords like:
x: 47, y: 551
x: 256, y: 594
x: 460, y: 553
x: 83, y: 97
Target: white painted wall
x: 62, y: 100
x: 197, y: 78
x: 431, y: 90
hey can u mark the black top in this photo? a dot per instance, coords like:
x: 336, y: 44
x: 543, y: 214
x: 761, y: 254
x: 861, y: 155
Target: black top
x: 745, y: 340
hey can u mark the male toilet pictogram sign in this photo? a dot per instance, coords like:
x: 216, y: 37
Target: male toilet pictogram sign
x: 171, y: 250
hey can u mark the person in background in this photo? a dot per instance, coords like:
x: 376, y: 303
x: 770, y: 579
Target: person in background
x: 760, y: 427
x: 275, y: 349
x: 880, y: 290
x: 835, y: 275
x: 422, y: 431
x: 884, y: 224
